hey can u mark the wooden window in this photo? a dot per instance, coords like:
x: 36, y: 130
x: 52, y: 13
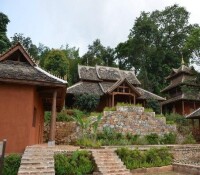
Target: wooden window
x: 34, y: 117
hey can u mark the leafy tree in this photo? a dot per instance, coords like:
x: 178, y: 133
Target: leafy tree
x: 4, y: 41
x: 27, y: 43
x: 98, y: 54
x: 192, y: 45
x: 155, y: 45
x: 74, y: 60
x: 56, y: 62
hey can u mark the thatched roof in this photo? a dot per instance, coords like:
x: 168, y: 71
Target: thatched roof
x: 86, y: 88
x: 103, y: 80
x: 104, y: 73
x: 148, y: 95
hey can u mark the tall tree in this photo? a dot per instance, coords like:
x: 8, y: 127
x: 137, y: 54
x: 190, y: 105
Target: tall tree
x: 98, y: 54
x: 192, y: 45
x: 4, y: 41
x: 56, y: 62
x: 27, y: 43
x: 155, y: 45
x: 74, y: 59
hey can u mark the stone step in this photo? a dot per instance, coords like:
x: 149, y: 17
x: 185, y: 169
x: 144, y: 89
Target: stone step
x: 111, y: 166
x: 37, y: 161
x: 108, y: 163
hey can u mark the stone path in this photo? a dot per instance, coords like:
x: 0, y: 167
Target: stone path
x: 37, y: 160
x: 40, y: 160
x: 108, y: 163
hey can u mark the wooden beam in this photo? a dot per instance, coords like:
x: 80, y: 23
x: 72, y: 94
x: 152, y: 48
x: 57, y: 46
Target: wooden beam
x: 113, y: 99
x: 53, y: 120
x: 199, y: 124
x: 183, y: 108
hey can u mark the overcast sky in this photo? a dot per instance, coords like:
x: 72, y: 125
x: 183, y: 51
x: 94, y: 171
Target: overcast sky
x: 79, y: 22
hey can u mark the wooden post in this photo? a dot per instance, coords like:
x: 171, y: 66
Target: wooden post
x: 199, y: 124
x: 134, y: 99
x: 183, y: 108
x: 53, y: 121
x: 161, y: 108
x: 113, y: 99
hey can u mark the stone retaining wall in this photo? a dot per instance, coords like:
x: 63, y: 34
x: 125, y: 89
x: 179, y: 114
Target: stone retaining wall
x: 187, y: 155
x: 66, y: 132
x: 186, y: 169
x: 131, y: 119
x: 126, y: 119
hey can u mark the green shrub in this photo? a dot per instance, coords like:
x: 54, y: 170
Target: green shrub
x: 63, y: 117
x: 152, y: 138
x: 87, y: 102
x: 110, y: 108
x: 170, y: 122
x: 158, y: 157
x: 148, y: 110
x: 87, y: 142
x: 80, y: 162
x: 11, y: 164
x: 159, y: 115
x: 169, y: 138
x: 141, y: 140
x: 137, y: 159
x: 189, y: 139
x: 47, y: 117
x: 131, y: 158
x: 124, y: 104
x: 154, y: 105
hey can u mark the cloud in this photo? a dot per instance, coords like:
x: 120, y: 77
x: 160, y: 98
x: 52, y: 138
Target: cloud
x: 80, y: 22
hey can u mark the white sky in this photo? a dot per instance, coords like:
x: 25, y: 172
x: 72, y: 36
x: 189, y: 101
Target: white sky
x: 79, y: 22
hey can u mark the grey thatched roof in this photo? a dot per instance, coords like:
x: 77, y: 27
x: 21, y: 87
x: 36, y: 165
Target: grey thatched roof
x: 108, y: 73
x: 130, y: 76
x: 148, y: 95
x: 194, y: 115
x: 104, y: 73
x: 17, y: 65
x: 15, y: 70
x: 87, y: 73
x: 106, y: 85
x: 85, y: 87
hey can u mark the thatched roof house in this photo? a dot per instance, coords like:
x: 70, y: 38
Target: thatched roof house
x: 26, y: 91
x: 111, y: 84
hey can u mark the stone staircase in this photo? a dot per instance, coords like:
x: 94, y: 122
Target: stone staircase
x: 37, y: 160
x: 108, y: 163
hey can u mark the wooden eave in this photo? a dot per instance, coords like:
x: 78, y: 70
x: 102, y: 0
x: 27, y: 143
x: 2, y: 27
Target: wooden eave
x: 36, y: 83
